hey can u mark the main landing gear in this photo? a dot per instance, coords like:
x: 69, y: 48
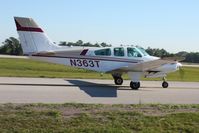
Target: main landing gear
x: 165, y: 84
x: 118, y: 80
x: 133, y: 85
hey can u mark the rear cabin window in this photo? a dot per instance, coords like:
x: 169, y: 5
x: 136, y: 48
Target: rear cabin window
x: 103, y: 52
x: 132, y: 52
x: 118, y: 51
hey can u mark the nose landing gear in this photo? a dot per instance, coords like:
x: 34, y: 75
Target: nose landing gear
x: 135, y: 85
x: 165, y: 84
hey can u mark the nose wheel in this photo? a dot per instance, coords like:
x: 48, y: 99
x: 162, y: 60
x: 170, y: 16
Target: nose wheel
x: 165, y: 84
x: 135, y: 85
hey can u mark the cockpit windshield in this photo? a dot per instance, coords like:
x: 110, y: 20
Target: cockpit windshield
x: 142, y: 50
x: 133, y: 52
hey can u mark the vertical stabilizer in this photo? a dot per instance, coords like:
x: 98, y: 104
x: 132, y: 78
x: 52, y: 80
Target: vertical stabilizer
x: 32, y: 37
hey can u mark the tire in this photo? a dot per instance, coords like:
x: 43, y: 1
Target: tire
x: 165, y: 84
x: 138, y: 83
x: 118, y: 81
x: 135, y: 85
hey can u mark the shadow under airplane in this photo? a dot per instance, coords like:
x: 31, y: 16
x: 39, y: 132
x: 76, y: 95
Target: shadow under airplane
x: 94, y: 89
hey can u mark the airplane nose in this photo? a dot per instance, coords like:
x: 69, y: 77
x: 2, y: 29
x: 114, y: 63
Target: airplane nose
x: 179, y: 65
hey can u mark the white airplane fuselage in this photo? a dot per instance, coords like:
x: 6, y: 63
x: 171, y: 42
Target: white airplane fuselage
x: 71, y: 56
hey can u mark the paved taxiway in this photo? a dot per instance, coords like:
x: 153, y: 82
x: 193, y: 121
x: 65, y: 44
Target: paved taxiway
x: 45, y: 90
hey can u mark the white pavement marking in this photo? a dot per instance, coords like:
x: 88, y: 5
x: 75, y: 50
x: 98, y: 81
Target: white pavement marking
x: 46, y: 90
x: 13, y: 56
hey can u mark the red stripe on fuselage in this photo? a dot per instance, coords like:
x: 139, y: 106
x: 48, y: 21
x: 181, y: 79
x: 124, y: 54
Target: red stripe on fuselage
x: 31, y: 29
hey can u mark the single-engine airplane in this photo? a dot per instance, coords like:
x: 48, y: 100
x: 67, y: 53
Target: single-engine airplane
x: 134, y: 61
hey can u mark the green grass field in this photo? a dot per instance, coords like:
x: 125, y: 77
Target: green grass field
x: 30, y: 68
x: 89, y: 118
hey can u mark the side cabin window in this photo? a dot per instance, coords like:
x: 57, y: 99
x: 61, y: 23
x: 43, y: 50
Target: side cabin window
x: 119, y: 51
x: 103, y: 52
x: 133, y: 52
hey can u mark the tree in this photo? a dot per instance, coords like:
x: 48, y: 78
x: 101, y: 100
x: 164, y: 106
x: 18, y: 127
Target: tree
x: 192, y: 57
x: 149, y: 51
x: 63, y: 43
x: 182, y: 53
x: 11, y: 46
x: 79, y: 42
x: 88, y: 44
x: 157, y: 52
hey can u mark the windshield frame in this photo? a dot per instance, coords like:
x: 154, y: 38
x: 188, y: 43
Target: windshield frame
x: 143, y: 51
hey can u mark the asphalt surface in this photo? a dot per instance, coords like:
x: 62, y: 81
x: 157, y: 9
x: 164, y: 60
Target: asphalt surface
x: 44, y: 90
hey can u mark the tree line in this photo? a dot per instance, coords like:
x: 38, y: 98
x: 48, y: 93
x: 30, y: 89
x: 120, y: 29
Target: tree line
x: 191, y: 57
x: 81, y: 43
x: 11, y: 46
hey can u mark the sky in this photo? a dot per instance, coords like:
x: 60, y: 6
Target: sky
x: 169, y: 24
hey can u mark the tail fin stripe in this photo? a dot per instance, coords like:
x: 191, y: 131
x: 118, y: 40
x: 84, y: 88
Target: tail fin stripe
x: 31, y: 29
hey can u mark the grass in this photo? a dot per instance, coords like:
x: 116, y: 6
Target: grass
x: 91, y: 118
x: 30, y: 68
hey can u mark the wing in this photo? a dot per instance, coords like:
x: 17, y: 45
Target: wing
x: 144, y: 66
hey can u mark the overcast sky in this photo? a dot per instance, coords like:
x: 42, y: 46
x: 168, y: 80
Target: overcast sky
x: 169, y: 24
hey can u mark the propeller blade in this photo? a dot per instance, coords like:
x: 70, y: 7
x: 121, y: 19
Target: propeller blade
x: 181, y: 72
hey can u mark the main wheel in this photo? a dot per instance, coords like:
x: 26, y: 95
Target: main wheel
x: 118, y: 81
x: 135, y: 85
x: 165, y: 84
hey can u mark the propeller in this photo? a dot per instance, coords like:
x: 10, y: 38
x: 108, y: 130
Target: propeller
x: 179, y: 65
x: 181, y: 70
